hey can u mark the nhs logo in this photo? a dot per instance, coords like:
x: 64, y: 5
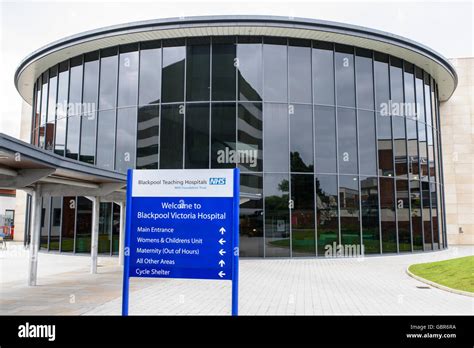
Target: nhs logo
x: 216, y: 181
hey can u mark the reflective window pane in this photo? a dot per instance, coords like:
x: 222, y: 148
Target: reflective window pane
x: 275, y: 62
x: 384, y: 143
x: 416, y: 223
x: 367, y: 143
x: 223, y: 135
x: 56, y: 213
x: 251, y: 216
x: 173, y: 71
x: 106, y: 139
x: 196, y: 154
x: 275, y: 133
x: 108, y: 78
x: 223, y: 71
x: 347, y: 141
x: 327, y: 213
x: 61, y: 113
x: 88, y: 139
x: 382, y: 92
x: 126, y: 139
x: 403, y: 215
x: 74, y: 108
x: 249, y: 146
x: 52, y: 95
x: 147, y: 137
x: 172, y: 124
x: 198, y: 68
x: 299, y: 71
x: 364, y: 77
x: 83, y: 225
x: 303, y: 236
x: 370, y: 214
x: 349, y: 210
x: 301, y: 138
x: 249, y: 69
x: 105, y: 228
x: 150, y: 73
x: 277, y: 215
x: 387, y: 215
x: 345, y: 90
x: 68, y: 223
x: 323, y: 73
x: 45, y: 216
x: 128, y: 75
x: 325, y: 138
x: 426, y: 206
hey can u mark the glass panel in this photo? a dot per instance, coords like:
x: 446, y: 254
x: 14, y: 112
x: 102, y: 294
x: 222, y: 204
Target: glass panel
x: 251, y: 217
x: 56, y: 207
x: 427, y: 87
x: 128, y: 75
x: 301, y: 138
x: 108, y: 78
x: 249, y: 69
x: 277, y: 216
x: 198, y: 71
x: 61, y: 113
x: 275, y: 133
x: 249, y: 146
x: 303, y: 241
x: 345, y: 91
x: 52, y: 94
x: 196, y: 154
x: 327, y: 214
x: 370, y: 214
x: 173, y: 73
x: 223, y: 135
x: 88, y: 138
x: 434, y: 215
x: 416, y: 222
x: 382, y: 93
x: 150, y: 73
x: 425, y: 194
x: 387, y: 216
x: 115, y: 228
x: 323, y: 73
x: 148, y: 136
x: 84, y: 225
x: 349, y: 210
x: 347, y: 141
x: 420, y: 100
x: 409, y: 81
x: 172, y: 123
x: 275, y: 63
x: 384, y: 136
x: 126, y: 139
x: 413, y: 163
x: 325, y: 138
x: 68, y: 224
x: 431, y: 158
x: 105, y: 228
x: 45, y: 215
x: 223, y: 70
x: 367, y: 143
x: 365, y: 81
x: 403, y: 216
x: 299, y: 71
x: 106, y: 139
x: 398, y: 119
x: 44, y: 109
x: 37, y: 107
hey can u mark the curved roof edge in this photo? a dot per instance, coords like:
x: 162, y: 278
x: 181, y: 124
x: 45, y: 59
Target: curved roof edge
x: 424, y: 57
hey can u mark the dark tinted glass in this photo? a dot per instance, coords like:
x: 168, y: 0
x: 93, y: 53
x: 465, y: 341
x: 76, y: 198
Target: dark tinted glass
x: 370, y: 214
x: 52, y: 95
x: 223, y: 135
x: 223, y: 71
x: 349, y: 210
x: 84, y: 225
x: 412, y: 149
x: 434, y: 215
x: 147, y: 137
x: 68, y: 223
x: 325, y: 138
x: 399, y: 138
x: 275, y: 133
x: 420, y: 100
x: 367, y: 143
x: 382, y: 93
x: 45, y: 216
x: 91, y: 83
x: 128, y: 78
x: 150, y: 74
x: 323, y: 73
x: 385, y: 148
x: 423, y: 148
x: 299, y: 72
x: 409, y: 82
x: 173, y: 74
x: 347, y: 137
x: 251, y: 216
x: 275, y: 62
x: 327, y: 213
x: 416, y: 223
x: 198, y: 72
x: 106, y: 139
x: 171, y: 135
x: 126, y: 139
x: 196, y: 154
x: 88, y: 139
x: 403, y: 215
x: 301, y: 138
x: 249, y: 146
x: 61, y: 113
x: 249, y: 70
x: 345, y: 91
x: 108, y: 79
x: 55, y: 229
x: 115, y: 228
x: 364, y: 77
x: 277, y: 216
x: 74, y: 108
x: 387, y: 215
x: 303, y: 238
x: 426, y: 204
x: 105, y: 228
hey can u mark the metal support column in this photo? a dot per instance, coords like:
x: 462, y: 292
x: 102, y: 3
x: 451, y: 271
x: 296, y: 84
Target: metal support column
x: 95, y: 233
x: 35, y: 236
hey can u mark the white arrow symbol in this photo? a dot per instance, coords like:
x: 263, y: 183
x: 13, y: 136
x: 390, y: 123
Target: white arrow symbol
x: 222, y: 252
x: 222, y: 230
x: 221, y: 274
x: 221, y: 263
x: 222, y: 241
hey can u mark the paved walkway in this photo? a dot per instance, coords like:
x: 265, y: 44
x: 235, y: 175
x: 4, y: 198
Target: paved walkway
x: 373, y: 285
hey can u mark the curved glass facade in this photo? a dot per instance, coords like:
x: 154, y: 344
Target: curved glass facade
x: 336, y: 144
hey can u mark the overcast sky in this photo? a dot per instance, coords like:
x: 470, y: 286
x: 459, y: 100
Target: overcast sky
x: 445, y: 26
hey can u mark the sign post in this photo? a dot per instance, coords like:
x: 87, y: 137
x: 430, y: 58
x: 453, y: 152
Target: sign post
x: 182, y: 224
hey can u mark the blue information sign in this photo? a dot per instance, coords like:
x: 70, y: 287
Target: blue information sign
x: 182, y: 224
